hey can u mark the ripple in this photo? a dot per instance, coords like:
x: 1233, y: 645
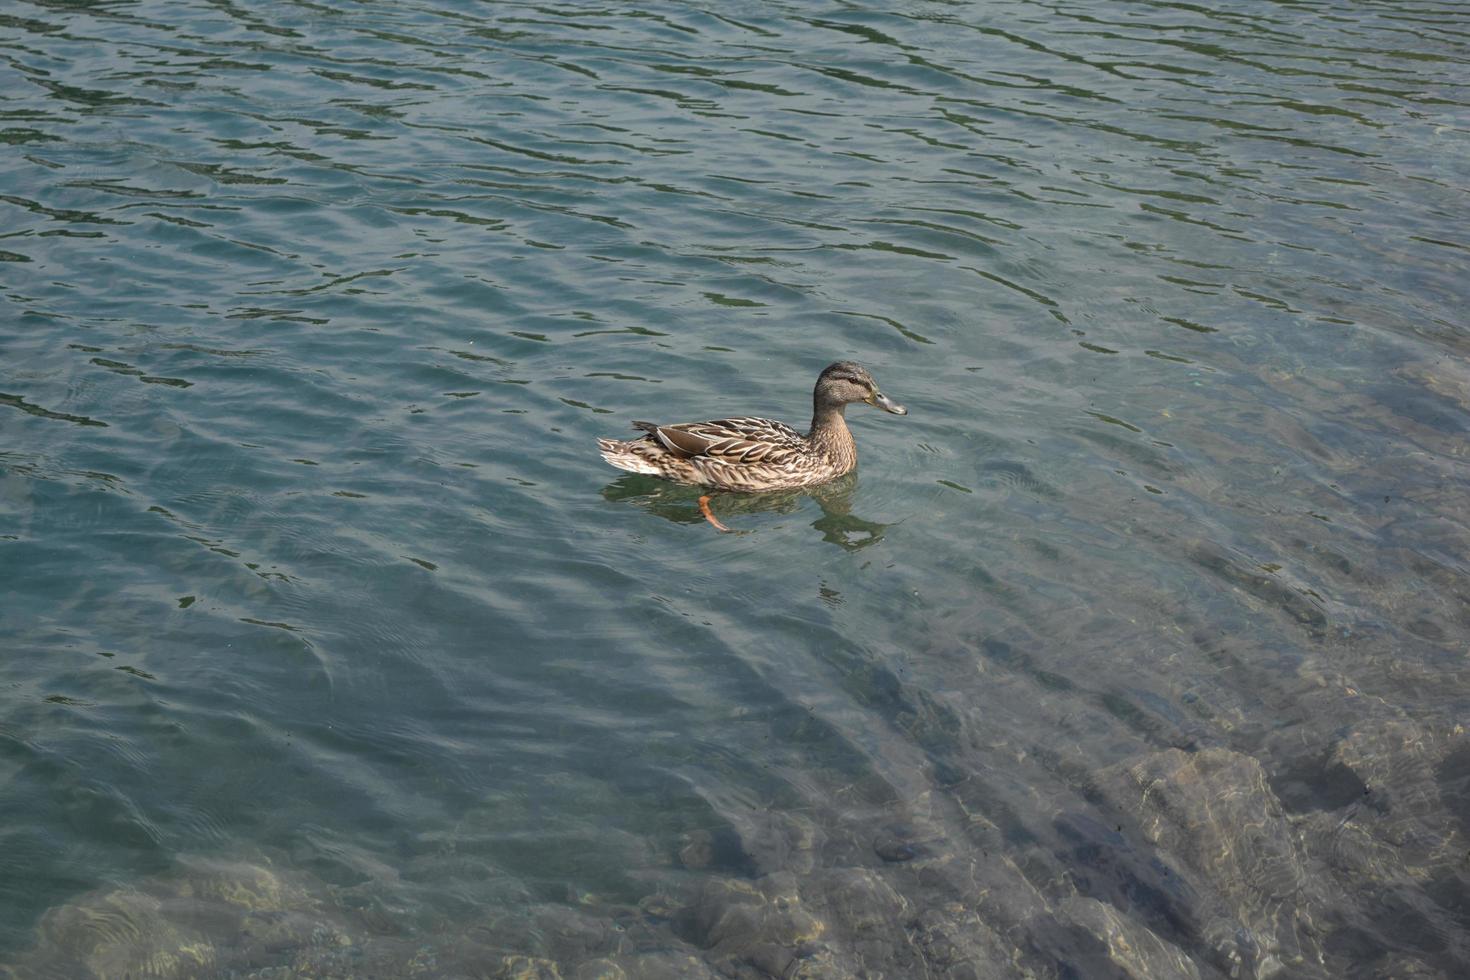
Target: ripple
x: 16, y: 401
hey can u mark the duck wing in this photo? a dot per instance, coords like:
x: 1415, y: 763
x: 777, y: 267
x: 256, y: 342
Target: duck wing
x: 743, y: 439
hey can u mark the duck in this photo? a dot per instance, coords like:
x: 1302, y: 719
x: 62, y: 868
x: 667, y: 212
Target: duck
x: 747, y: 454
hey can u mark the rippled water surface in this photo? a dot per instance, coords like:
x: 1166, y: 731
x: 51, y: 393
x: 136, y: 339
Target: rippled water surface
x: 332, y: 649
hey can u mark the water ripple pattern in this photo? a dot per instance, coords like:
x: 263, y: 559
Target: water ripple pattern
x: 331, y: 646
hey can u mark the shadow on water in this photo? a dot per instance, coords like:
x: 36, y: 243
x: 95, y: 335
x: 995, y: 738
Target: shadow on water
x: 679, y: 504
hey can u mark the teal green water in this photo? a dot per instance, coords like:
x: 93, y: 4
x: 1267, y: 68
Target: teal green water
x: 332, y: 648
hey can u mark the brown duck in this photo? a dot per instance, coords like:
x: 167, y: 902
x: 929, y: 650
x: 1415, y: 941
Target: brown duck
x: 750, y: 455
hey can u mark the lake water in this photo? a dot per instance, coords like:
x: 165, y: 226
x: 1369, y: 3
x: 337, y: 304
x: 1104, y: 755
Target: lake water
x: 333, y: 649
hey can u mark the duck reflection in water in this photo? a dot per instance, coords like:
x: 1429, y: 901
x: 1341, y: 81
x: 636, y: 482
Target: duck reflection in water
x: 838, y: 524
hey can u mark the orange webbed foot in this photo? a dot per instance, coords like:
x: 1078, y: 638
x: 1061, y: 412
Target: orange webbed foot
x: 709, y: 515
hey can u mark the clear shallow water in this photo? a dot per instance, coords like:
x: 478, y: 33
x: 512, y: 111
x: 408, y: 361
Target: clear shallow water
x: 332, y: 646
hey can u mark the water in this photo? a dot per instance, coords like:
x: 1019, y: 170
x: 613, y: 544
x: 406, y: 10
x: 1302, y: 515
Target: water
x: 333, y: 648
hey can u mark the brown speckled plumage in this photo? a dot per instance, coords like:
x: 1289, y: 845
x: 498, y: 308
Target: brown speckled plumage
x: 753, y: 454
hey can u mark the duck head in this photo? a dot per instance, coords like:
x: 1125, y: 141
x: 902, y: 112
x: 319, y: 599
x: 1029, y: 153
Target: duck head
x: 846, y: 382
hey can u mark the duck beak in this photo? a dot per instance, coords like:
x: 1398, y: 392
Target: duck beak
x: 880, y: 400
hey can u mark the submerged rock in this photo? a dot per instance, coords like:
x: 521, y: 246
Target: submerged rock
x: 956, y: 941
x: 1174, y: 865
x: 122, y: 934
x: 646, y: 966
x: 196, y: 922
x: 764, y: 923
x: 1212, y: 816
x: 526, y: 968
x: 1129, y: 947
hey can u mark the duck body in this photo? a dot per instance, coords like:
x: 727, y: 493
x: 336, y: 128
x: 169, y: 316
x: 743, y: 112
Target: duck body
x: 749, y: 454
